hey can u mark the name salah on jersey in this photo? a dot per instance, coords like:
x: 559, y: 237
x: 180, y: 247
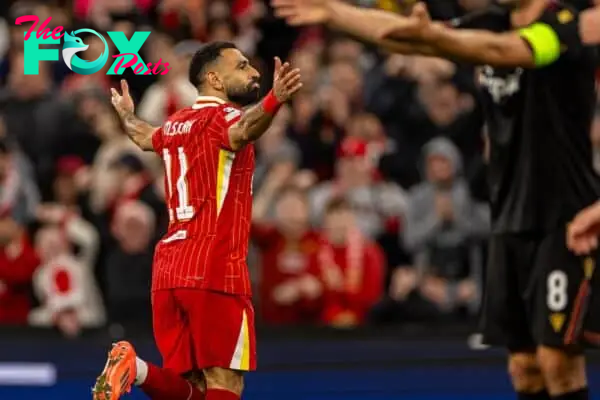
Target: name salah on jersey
x: 174, y: 128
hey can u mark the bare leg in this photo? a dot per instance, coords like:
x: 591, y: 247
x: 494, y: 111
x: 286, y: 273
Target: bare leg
x: 526, y: 376
x: 223, y: 384
x: 564, y: 373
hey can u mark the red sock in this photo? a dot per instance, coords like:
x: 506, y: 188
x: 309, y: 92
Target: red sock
x: 163, y: 384
x: 221, y: 394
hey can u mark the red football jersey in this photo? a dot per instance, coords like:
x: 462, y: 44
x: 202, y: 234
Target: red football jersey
x: 209, y: 195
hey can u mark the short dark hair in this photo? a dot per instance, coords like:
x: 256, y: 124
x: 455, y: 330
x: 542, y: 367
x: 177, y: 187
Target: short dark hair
x: 206, y: 55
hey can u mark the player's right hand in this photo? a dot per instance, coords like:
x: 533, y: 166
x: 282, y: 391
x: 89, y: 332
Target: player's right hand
x: 583, y: 231
x: 302, y: 12
x: 122, y: 102
x: 286, y: 81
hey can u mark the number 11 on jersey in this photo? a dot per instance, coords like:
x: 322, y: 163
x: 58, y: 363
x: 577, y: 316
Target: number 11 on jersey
x: 183, y: 210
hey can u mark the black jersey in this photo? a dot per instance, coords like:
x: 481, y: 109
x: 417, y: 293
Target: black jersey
x: 539, y: 120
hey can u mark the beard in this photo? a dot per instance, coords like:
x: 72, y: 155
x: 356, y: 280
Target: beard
x: 244, y: 96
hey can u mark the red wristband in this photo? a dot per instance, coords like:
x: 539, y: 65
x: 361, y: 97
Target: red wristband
x: 270, y: 103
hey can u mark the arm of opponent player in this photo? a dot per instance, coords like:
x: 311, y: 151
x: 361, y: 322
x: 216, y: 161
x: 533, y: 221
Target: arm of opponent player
x: 139, y: 132
x: 537, y: 45
x: 257, y: 119
x: 368, y: 25
x: 530, y: 47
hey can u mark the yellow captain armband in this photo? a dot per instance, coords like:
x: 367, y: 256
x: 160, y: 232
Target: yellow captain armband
x: 544, y: 43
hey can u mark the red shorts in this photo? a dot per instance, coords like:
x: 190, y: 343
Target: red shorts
x: 196, y: 329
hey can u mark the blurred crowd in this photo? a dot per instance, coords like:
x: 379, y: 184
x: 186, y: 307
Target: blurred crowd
x: 369, y: 198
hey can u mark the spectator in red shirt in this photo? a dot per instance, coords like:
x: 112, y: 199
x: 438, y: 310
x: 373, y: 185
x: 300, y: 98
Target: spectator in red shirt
x: 288, y: 293
x: 351, y: 268
x: 18, y: 262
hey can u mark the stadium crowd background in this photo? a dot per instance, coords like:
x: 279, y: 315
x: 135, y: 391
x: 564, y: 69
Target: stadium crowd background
x: 370, y: 195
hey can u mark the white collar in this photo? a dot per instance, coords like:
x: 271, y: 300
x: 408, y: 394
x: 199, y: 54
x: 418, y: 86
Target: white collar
x: 214, y: 99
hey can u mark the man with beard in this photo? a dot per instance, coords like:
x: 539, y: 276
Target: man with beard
x: 203, y: 318
x: 538, y: 82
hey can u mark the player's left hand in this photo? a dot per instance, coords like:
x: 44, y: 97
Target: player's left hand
x: 286, y: 81
x: 122, y: 102
x: 583, y: 231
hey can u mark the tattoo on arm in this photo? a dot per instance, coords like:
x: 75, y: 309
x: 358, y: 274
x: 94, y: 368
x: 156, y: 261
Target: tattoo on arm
x: 140, y: 132
x: 251, y: 126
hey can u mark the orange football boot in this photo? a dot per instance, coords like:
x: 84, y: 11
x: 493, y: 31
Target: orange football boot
x: 118, y: 375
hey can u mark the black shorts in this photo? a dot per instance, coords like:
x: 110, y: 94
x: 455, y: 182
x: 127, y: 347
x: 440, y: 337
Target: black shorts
x: 538, y: 293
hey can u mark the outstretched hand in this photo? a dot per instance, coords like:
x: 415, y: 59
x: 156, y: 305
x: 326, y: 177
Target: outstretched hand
x: 286, y: 81
x: 583, y: 231
x: 123, y: 102
x: 415, y: 27
x: 302, y: 12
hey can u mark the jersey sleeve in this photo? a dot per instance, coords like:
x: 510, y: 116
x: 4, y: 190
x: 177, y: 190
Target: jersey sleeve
x: 225, y: 117
x: 157, y: 139
x: 555, y: 34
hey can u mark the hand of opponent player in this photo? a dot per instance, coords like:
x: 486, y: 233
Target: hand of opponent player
x: 366, y: 24
x: 418, y: 26
x: 583, y: 231
x: 335, y: 12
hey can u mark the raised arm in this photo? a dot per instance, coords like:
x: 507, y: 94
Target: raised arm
x: 365, y: 24
x: 257, y: 119
x: 254, y: 122
x: 139, y: 132
x: 496, y: 49
x: 534, y: 46
x: 537, y: 45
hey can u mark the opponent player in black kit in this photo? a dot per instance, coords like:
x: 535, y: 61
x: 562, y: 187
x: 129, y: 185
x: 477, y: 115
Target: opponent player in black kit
x: 538, y: 77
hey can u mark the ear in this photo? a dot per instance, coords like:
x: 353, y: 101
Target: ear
x: 214, y: 81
